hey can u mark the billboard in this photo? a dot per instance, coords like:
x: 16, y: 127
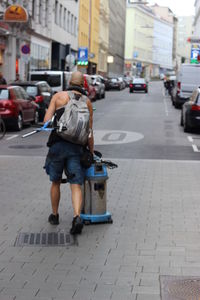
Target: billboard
x: 195, y: 54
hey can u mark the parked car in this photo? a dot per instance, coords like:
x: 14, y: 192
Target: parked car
x: 99, y: 86
x: 122, y: 82
x: 114, y: 83
x: 190, y: 113
x: 91, y: 91
x: 188, y: 80
x: 16, y: 107
x: 41, y: 93
x: 138, y: 84
x: 58, y: 80
x: 127, y: 80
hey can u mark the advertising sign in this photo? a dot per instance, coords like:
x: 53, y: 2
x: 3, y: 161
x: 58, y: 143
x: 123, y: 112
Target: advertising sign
x: 195, y: 53
x: 15, y: 13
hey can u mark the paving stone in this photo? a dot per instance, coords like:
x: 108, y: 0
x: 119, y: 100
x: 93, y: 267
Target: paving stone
x: 155, y: 231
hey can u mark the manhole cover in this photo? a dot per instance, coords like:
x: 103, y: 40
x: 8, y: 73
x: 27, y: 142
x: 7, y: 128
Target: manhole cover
x: 180, y: 288
x: 42, y: 239
x: 26, y: 146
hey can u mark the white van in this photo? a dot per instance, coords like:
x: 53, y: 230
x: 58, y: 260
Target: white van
x: 58, y: 80
x: 187, y: 81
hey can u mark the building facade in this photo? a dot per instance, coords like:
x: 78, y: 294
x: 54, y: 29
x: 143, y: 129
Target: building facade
x: 89, y: 33
x: 138, y: 40
x: 103, y: 36
x: 166, y: 14
x: 51, y: 33
x: 162, y: 47
x: 117, y: 17
x: 184, y: 31
x: 197, y: 19
x: 148, y: 45
x: 64, y: 34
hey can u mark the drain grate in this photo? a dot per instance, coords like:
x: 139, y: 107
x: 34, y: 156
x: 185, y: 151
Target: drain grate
x: 42, y: 239
x: 180, y: 288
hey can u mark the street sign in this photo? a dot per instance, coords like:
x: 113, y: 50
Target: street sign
x: 25, y: 49
x: 91, y: 55
x: 83, y: 54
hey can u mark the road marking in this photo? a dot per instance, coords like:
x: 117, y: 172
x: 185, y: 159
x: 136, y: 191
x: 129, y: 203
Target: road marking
x: 110, y: 137
x: 166, y: 108
x: 12, y: 137
x: 195, y: 148
x: 190, y: 139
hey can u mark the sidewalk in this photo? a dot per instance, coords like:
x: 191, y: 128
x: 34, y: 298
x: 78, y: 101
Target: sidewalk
x: 155, y: 207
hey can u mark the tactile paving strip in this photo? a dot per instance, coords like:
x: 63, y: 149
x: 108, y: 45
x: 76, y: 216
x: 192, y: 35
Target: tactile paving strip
x: 42, y: 239
x: 180, y: 288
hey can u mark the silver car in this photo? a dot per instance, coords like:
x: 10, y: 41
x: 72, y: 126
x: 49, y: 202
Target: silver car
x: 99, y: 86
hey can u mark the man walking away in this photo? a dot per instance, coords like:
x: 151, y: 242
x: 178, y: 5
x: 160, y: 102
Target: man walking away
x: 65, y: 155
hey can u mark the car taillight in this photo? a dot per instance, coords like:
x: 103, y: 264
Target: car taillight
x: 39, y: 99
x: 131, y: 85
x: 178, y: 87
x: 195, y: 107
x: 144, y: 85
x: 10, y: 105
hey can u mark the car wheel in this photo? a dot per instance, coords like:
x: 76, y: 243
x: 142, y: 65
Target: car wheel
x: 19, y: 122
x: 186, y: 128
x: 146, y: 92
x: 36, y: 117
x: 176, y: 105
x: 181, y: 121
x: 103, y: 96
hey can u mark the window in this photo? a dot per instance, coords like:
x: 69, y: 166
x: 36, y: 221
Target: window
x: 56, y: 12
x: 31, y: 90
x: 72, y: 24
x: 52, y: 80
x: 75, y: 25
x: 68, y: 20
x: 33, y: 9
x: 47, y: 12
x: 60, y: 15
x: 4, y: 94
x: 40, y: 11
x: 64, y: 19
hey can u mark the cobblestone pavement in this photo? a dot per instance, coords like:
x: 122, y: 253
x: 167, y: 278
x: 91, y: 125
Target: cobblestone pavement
x: 155, y: 207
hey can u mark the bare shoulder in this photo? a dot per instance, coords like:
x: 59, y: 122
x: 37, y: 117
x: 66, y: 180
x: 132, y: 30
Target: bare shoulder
x: 60, y: 99
x: 60, y: 95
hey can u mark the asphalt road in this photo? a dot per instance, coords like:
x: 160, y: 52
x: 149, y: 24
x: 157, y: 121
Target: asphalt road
x: 140, y: 126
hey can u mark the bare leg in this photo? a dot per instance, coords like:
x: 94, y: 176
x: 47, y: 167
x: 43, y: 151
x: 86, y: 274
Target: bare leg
x: 55, y: 196
x: 76, y: 198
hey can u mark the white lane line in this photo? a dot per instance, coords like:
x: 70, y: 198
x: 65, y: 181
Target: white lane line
x: 190, y: 139
x: 166, y: 108
x: 195, y: 148
x: 12, y: 137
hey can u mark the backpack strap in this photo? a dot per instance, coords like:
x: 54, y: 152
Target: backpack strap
x: 76, y: 97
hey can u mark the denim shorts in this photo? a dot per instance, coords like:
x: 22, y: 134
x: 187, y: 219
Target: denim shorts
x: 65, y: 156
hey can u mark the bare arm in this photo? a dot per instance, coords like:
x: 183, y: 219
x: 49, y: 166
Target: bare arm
x: 51, y: 109
x: 91, y: 137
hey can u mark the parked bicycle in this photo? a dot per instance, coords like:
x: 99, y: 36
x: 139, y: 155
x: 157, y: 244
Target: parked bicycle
x: 2, y: 128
